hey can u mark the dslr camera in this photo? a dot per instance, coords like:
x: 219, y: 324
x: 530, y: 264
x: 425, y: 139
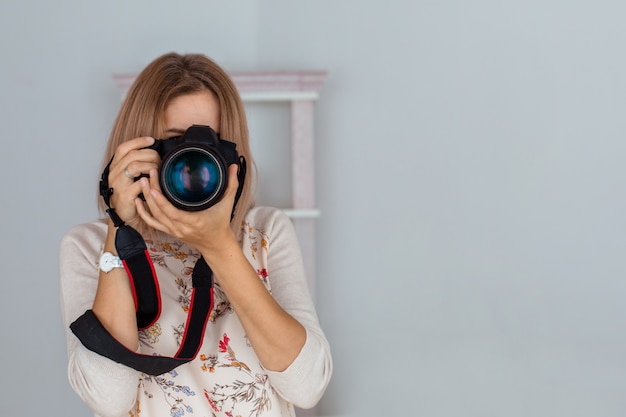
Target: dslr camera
x: 194, y: 167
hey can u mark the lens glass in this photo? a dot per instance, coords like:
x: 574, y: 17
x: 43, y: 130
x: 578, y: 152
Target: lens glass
x: 192, y: 177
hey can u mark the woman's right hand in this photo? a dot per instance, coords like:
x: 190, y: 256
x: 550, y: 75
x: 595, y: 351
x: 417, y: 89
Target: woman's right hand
x: 129, y: 162
x: 114, y: 304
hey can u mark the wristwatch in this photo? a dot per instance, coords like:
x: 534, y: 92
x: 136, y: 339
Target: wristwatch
x: 108, y: 261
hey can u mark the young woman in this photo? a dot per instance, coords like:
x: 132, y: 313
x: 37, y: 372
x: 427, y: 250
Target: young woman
x: 263, y: 350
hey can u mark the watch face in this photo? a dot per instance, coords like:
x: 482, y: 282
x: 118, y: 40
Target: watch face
x: 108, y: 261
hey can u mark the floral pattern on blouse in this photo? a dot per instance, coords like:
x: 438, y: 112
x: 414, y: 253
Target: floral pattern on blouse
x: 175, y: 395
x: 249, y: 387
x: 226, y: 378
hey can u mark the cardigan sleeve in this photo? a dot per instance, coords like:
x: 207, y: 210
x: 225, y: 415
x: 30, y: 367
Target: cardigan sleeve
x: 303, y: 383
x: 108, y: 388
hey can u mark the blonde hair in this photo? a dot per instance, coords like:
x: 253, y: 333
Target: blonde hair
x: 173, y: 75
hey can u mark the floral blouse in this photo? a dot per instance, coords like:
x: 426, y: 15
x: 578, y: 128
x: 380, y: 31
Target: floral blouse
x: 226, y: 377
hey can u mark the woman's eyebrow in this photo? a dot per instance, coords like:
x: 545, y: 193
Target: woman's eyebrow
x: 175, y: 131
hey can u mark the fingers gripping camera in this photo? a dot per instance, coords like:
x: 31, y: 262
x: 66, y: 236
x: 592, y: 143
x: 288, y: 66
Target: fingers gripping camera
x: 194, y: 167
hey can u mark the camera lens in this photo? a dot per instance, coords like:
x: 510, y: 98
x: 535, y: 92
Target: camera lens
x: 192, y: 178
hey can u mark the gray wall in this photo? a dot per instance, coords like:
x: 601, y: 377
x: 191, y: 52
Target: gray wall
x: 470, y: 174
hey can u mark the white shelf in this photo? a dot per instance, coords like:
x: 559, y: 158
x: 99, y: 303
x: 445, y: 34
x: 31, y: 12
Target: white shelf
x: 278, y: 96
x: 302, y: 213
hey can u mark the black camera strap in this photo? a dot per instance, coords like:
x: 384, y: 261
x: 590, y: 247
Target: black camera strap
x: 133, y: 252
x: 96, y: 338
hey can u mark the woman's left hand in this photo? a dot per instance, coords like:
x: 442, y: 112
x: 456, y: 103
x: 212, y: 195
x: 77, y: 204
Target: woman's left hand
x: 206, y: 230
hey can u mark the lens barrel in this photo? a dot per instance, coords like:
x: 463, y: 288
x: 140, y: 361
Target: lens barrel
x: 193, y: 177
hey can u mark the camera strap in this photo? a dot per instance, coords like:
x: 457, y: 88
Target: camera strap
x: 96, y: 338
x: 135, y: 257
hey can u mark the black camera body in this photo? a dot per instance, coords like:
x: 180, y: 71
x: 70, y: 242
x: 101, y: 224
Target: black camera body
x: 194, y: 167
